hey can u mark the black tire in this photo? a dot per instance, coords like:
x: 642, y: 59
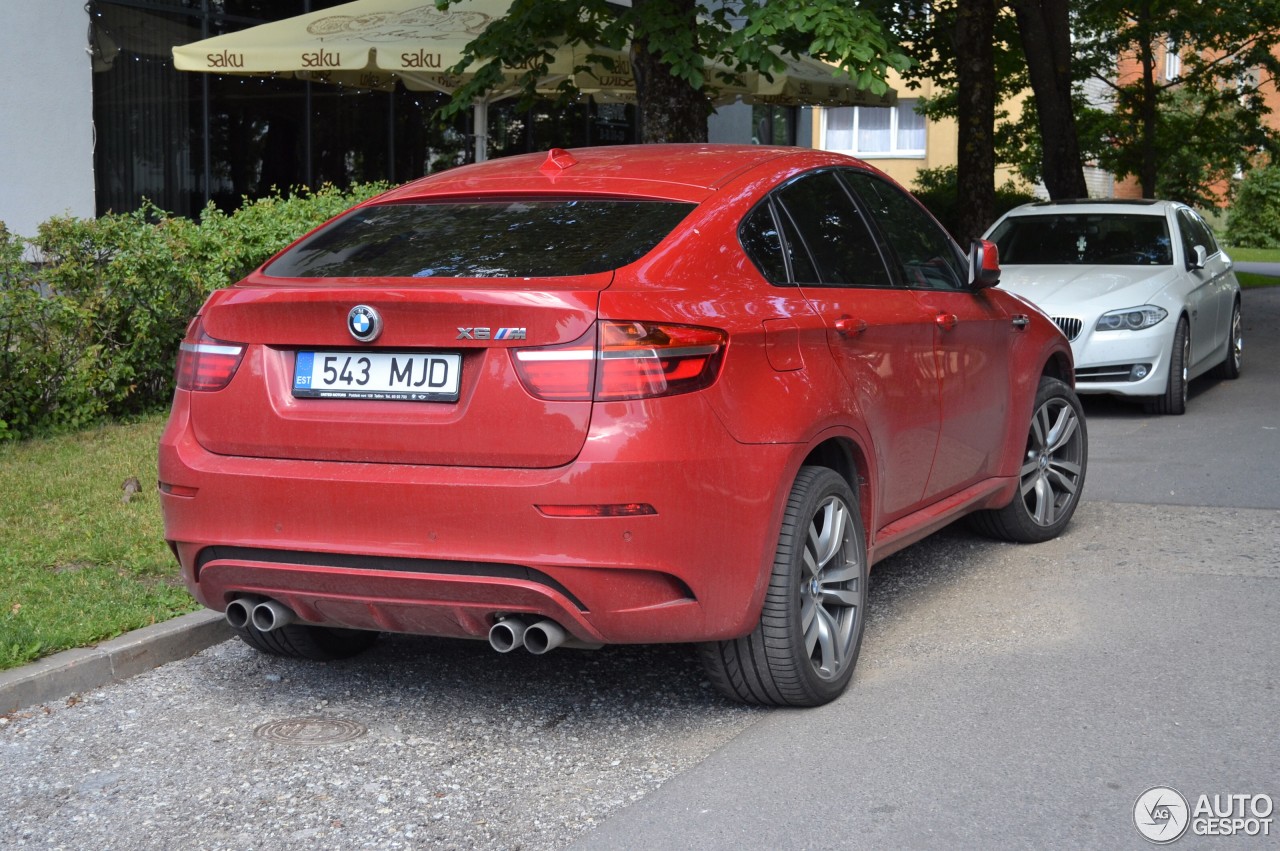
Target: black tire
x: 1230, y: 366
x: 803, y: 650
x: 303, y: 641
x: 1053, y: 470
x: 1174, y: 399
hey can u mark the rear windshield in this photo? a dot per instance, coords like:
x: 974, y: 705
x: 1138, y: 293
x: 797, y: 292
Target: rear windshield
x: 486, y: 239
x: 1106, y: 238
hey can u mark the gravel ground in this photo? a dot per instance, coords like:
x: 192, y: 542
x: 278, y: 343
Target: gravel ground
x: 456, y: 747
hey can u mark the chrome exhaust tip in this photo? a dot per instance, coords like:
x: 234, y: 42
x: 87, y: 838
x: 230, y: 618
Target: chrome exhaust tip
x: 239, y: 611
x: 507, y: 634
x: 543, y: 637
x: 269, y: 615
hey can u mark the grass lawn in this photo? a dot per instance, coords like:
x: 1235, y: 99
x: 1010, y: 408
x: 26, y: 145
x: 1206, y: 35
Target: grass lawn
x: 1248, y: 280
x: 77, y: 564
x: 1255, y: 255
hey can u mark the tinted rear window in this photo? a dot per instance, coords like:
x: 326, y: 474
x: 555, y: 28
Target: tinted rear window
x: 1107, y: 238
x: 488, y: 239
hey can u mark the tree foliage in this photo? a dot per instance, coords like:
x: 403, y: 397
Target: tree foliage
x: 1179, y: 135
x: 1030, y: 49
x: 93, y: 330
x: 936, y: 188
x: 1044, y: 28
x: 681, y: 51
x: 1254, y: 220
x: 1182, y: 138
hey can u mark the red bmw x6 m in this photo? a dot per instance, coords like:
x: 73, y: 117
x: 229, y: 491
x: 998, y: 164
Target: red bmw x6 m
x: 669, y: 393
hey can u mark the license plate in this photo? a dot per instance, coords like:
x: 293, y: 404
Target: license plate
x: 403, y: 376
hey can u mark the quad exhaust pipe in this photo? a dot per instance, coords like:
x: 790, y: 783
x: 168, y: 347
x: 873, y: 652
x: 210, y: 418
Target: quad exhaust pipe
x: 262, y: 614
x: 538, y: 638
x: 265, y: 615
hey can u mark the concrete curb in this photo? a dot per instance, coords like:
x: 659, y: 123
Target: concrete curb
x: 73, y: 671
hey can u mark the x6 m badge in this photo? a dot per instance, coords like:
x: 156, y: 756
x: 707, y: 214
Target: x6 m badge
x: 491, y: 334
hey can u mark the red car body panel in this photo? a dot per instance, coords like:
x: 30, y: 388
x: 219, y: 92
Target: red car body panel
x: 435, y: 518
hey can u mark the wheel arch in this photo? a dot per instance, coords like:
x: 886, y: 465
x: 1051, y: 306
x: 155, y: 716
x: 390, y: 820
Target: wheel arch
x: 846, y: 458
x: 1059, y: 366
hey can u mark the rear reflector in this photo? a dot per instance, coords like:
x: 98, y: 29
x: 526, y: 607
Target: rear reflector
x: 205, y: 363
x: 625, y: 509
x: 630, y: 360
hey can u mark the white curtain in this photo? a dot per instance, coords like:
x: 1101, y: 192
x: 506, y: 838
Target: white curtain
x: 874, y: 128
x: 840, y: 128
x: 910, y: 127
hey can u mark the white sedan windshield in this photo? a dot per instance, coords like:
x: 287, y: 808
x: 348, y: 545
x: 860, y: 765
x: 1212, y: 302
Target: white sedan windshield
x: 1097, y: 238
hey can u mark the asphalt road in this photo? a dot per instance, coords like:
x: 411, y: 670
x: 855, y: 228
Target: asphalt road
x: 1007, y: 697
x: 1225, y: 451
x: 1272, y: 269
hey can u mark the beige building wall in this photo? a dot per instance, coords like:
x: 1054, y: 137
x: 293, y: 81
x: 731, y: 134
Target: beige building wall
x: 941, y: 139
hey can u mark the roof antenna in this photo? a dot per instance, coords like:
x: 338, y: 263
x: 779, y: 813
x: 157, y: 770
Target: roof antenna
x: 558, y: 159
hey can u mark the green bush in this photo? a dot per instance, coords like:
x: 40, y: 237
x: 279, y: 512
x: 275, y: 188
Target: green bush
x: 31, y: 325
x: 936, y: 189
x: 1254, y: 220
x: 92, y: 330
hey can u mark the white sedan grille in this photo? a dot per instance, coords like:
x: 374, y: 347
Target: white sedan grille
x: 1070, y: 326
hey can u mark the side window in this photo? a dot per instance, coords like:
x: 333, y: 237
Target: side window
x: 1204, y: 233
x: 826, y: 220
x: 802, y: 268
x: 773, y: 249
x: 928, y: 257
x: 1190, y: 239
x: 763, y: 243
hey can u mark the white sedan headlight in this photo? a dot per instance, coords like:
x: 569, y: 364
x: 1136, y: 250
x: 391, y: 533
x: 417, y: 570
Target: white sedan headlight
x: 1131, y: 318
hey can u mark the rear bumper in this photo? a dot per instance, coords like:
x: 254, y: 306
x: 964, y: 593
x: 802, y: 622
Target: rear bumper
x: 445, y: 550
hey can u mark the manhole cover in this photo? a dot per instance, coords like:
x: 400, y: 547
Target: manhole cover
x: 310, y: 731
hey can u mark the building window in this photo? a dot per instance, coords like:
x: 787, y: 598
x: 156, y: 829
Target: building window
x: 1172, y: 62
x: 875, y: 131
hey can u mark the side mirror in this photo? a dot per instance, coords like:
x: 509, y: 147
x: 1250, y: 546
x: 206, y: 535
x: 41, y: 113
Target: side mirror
x: 1199, y: 257
x: 984, y: 264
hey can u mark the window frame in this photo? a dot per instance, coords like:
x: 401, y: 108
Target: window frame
x: 894, y: 152
x: 786, y: 227
x: 897, y: 265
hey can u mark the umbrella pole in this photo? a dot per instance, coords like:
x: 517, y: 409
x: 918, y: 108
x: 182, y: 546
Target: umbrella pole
x: 481, y: 126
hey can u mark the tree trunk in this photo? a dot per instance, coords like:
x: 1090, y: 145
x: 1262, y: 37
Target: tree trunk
x: 976, y: 112
x: 1147, y: 113
x: 669, y: 108
x: 1046, y: 41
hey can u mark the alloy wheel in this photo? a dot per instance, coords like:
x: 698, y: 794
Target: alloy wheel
x: 831, y: 592
x: 1237, y: 341
x: 1050, y: 477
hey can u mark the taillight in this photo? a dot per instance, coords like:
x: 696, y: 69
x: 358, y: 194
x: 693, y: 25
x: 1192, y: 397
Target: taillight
x: 561, y: 373
x: 624, y: 360
x: 205, y: 363
x: 642, y: 359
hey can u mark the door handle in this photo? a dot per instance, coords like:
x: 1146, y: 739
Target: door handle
x: 1021, y: 321
x: 847, y: 325
x: 946, y: 321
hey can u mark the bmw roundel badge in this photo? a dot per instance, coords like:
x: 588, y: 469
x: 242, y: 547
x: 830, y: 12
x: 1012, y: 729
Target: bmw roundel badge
x: 364, y: 323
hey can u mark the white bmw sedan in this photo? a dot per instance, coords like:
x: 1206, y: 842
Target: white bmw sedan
x: 1142, y: 290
